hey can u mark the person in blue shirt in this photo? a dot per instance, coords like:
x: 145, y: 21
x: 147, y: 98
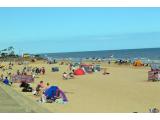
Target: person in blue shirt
x: 6, y: 81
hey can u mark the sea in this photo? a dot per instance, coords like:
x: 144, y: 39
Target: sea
x: 146, y: 55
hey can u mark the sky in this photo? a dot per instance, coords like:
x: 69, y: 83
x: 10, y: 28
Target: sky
x: 51, y: 30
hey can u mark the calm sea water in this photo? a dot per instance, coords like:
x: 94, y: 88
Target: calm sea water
x: 147, y: 53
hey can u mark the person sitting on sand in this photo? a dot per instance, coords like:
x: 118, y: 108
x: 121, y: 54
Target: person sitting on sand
x: 7, y: 82
x: 47, y: 87
x: 73, y: 69
x: 65, y: 75
x: 71, y: 75
x: 154, y: 110
x: 37, y: 71
x: 42, y: 85
x: 39, y: 89
x: 25, y: 87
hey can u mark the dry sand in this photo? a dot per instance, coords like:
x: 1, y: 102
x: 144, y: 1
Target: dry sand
x: 124, y: 90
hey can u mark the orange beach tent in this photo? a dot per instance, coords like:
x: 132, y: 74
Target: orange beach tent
x: 138, y: 63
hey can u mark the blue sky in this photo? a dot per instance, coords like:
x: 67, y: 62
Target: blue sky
x: 41, y: 30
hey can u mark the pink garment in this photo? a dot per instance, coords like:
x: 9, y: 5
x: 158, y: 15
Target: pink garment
x: 42, y: 85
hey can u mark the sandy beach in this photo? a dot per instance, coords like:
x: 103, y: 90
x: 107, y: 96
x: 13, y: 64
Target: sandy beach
x: 124, y: 90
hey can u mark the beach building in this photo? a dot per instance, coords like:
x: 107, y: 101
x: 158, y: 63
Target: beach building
x: 26, y: 55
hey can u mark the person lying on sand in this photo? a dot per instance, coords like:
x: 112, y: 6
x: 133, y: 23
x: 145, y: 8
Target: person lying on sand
x: 105, y: 72
x: 65, y: 76
x: 68, y: 76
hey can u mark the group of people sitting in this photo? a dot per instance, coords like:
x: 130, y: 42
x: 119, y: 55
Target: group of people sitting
x: 33, y: 71
x: 53, y: 94
x: 39, y: 70
x: 47, y: 93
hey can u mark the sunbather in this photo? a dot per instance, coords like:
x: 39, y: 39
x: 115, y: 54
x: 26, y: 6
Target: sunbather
x: 65, y: 75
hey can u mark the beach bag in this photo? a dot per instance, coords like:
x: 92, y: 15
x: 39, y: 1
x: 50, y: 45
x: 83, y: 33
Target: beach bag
x: 55, y: 69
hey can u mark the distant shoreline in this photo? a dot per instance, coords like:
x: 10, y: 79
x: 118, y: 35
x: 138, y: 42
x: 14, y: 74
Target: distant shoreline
x: 146, y: 53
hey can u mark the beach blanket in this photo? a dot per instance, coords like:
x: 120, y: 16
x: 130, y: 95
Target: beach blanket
x: 22, y: 78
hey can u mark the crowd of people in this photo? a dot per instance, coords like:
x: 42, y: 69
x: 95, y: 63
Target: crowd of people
x: 31, y: 71
x: 6, y: 78
x: 44, y: 91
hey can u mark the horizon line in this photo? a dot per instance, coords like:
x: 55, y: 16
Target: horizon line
x: 97, y: 50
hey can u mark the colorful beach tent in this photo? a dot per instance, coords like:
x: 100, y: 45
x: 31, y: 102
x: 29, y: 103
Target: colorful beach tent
x: 87, y: 67
x: 79, y: 71
x: 138, y: 63
x: 98, y: 67
x: 53, y: 91
x: 50, y: 93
